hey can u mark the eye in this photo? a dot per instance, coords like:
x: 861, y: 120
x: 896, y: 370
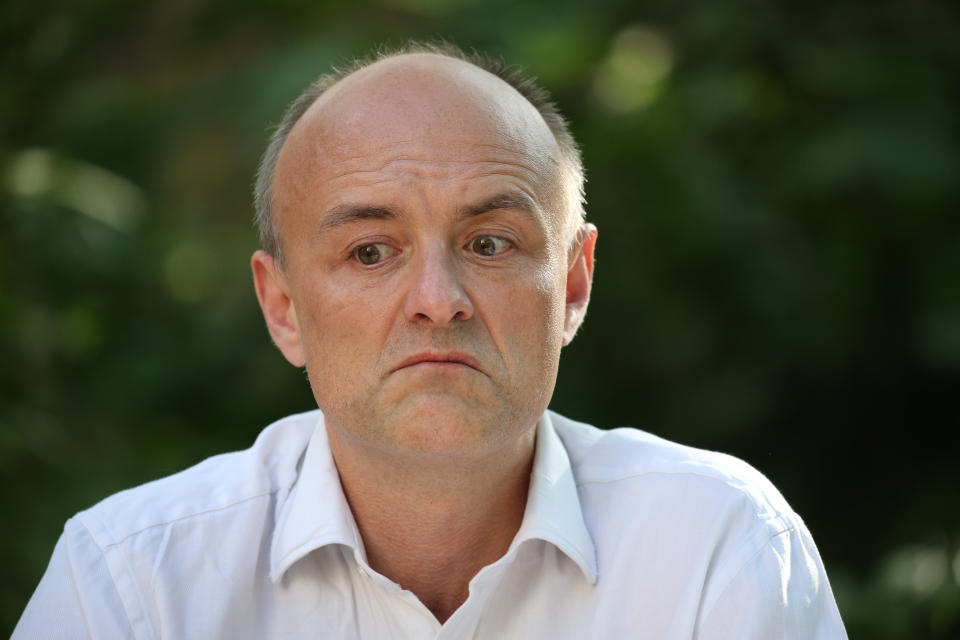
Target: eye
x: 489, y: 245
x: 371, y: 254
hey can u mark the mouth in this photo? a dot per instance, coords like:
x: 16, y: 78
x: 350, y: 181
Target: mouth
x: 439, y: 359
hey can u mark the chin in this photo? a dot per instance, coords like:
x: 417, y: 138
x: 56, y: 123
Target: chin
x: 448, y: 426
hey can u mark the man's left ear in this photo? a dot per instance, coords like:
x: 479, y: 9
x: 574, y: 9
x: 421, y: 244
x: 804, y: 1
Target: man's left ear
x: 579, y: 280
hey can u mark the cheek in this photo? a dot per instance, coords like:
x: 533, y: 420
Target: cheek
x: 336, y: 311
x: 338, y: 328
x: 535, y: 315
x: 550, y: 282
x: 538, y: 330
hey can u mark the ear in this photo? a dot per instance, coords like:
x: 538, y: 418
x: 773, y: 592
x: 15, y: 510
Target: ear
x: 579, y: 280
x: 278, y: 309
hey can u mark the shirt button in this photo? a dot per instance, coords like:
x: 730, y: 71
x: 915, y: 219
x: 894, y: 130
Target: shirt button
x: 362, y: 571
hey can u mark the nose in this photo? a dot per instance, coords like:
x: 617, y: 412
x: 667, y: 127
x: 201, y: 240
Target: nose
x: 436, y: 295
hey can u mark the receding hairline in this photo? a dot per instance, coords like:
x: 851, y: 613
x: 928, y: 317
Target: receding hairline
x: 569, y: 176
x: 432, y: 79
x: 343, y: 81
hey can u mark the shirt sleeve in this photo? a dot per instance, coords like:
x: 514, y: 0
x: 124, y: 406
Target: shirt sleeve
x: 76, y: 597
x: 781, y: 593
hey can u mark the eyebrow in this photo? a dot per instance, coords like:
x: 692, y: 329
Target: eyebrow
x: 346, y: 213
x: 519, y: 201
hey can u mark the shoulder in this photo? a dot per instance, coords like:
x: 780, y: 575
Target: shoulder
x: 627, y: 466
x: 215, y: 486
x: 685, y: 526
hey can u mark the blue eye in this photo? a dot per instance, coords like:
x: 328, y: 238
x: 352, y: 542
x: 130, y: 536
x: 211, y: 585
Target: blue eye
x: 489, y: 245
x: 370, y: 254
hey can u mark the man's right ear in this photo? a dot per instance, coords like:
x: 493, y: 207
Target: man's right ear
x: 273, y: 293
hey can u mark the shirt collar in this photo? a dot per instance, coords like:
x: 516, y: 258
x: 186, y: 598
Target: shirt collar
x: 316, y: 514
x: 553, y: 511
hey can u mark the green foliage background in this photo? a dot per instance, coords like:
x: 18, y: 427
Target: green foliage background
x: 776, y: 187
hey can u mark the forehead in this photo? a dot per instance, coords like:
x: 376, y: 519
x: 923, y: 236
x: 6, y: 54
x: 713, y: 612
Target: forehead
x: 422, y: 116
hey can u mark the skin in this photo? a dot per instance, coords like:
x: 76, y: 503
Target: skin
x: 432, y: 363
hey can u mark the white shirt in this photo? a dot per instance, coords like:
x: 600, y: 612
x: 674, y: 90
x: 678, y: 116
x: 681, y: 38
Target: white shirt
x: 625, y: 535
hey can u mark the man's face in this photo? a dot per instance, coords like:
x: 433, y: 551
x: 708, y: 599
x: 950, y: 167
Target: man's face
x: 426, y: 269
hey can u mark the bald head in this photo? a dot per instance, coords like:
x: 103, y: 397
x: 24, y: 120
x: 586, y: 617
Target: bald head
x: 421, y: 95
x: 429, y: 102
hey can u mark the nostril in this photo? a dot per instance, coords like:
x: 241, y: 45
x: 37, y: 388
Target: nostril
x: 436, y: 294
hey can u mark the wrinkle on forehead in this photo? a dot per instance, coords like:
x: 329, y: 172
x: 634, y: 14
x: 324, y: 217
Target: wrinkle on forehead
x: 392, y: 169
x: 513, y: 181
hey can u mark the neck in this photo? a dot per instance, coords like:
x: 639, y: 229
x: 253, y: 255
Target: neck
x: 430, y: 525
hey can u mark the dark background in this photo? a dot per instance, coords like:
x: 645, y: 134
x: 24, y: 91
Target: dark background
x: 776, y: 187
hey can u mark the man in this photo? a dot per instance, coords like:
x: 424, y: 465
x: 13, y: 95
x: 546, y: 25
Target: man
x: 425, y: 259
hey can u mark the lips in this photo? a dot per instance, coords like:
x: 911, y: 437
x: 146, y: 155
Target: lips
x: 439, y: 358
